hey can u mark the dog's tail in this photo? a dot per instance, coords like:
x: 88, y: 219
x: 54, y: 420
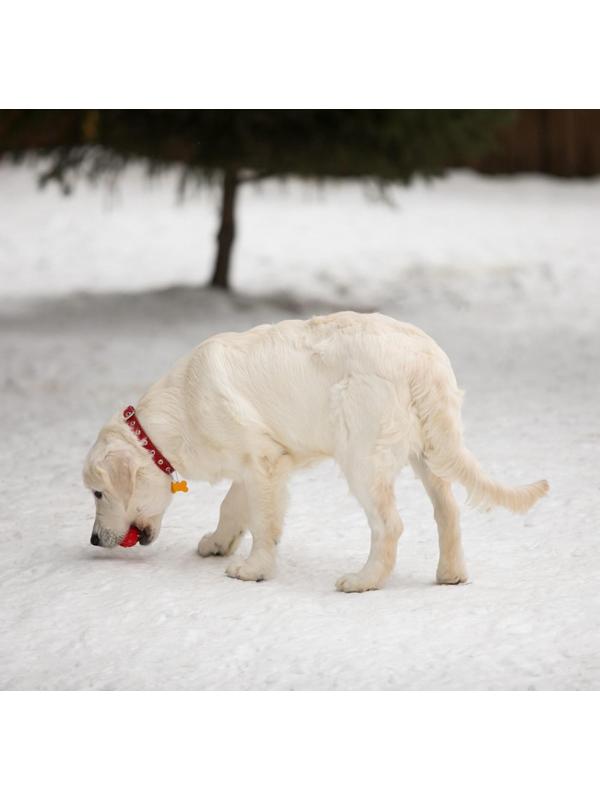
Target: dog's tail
x: 437, y: 401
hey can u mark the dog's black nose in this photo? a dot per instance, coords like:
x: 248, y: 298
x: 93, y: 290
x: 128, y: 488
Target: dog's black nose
x: 95, y: 539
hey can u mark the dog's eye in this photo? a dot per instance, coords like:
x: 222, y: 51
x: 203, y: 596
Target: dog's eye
x: 98, y: 495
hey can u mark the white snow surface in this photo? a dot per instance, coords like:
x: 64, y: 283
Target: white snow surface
x: 503, y: 273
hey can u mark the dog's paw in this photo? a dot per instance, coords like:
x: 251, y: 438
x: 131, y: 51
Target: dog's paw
x: 209, y: 545
x: 354, y: 582
x: 248, y: 571
x: 212, y: 545
x: 452, y: 573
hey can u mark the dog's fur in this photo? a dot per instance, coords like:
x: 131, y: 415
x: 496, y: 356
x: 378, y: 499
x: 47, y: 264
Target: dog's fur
x: 364, y: 389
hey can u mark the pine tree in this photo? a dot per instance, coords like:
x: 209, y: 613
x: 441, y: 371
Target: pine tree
x: 239, y: 146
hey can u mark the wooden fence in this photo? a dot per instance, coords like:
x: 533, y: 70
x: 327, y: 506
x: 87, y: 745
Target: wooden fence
x: 557, y: 142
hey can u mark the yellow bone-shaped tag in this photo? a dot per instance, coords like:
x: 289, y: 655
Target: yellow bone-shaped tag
x: 179, y: 486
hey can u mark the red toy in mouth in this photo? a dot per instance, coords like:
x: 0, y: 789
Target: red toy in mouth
x: 131, y: 537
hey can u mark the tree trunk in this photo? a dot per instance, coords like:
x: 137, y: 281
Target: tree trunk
x: 220, y: 277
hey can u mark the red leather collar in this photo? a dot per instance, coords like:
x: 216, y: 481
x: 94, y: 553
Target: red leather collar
x: 159, y: 459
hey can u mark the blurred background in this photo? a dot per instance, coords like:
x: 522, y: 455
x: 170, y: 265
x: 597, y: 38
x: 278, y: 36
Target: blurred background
x: 231, y: 151
x: 127, y: 237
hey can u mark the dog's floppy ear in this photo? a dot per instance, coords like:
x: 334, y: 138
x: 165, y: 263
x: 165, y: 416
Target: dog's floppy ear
x: 121, y: 473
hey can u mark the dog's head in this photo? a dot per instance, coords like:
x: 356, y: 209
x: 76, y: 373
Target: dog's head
x: 128, y: 488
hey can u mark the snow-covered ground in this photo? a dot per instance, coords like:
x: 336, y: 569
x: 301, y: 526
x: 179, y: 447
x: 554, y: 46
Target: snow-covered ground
x: 504, y: 273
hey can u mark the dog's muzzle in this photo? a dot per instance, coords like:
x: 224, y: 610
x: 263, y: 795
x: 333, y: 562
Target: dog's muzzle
x: 103, y: 537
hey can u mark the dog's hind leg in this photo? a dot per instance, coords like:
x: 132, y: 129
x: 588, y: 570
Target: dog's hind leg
x: 267, y: 495
x: 451, y: 566
x: 376, y: 495
x: 233, y: 521
x: 370, y: 448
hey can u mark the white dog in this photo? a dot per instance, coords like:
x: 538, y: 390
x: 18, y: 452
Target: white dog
x: 364, y: 389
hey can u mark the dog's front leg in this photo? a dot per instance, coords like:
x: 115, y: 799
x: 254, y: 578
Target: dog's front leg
x: 233, y: 521
x: 266, y: 497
